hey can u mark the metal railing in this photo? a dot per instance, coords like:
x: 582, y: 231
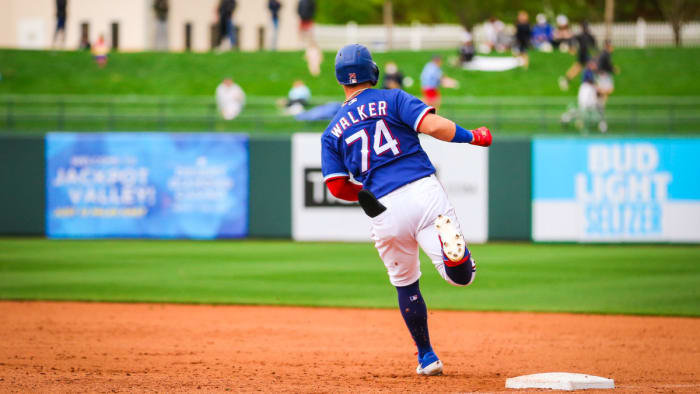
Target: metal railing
x: 640, y: 34
x: 41, y: 113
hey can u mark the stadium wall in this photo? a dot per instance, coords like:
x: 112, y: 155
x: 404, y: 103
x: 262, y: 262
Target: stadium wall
x: 22, y: 193
x: 543, y: 188
x: 270, y: 206
x: 509, y: 190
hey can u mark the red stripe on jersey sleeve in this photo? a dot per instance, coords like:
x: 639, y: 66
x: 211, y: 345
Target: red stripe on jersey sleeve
x: 431, y: 110
x: 342, y: 188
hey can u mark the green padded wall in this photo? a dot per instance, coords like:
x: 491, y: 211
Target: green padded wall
x: 22, y: 187
x: 270, y: 213
x: 510, y: 207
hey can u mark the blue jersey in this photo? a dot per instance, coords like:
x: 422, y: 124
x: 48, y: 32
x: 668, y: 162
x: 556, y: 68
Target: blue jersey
x: 430, y: 76
x: 374, y: 139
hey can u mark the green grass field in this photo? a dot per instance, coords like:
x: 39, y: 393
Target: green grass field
x: 655, y: 72
x: 43, y: 91
x: 629, y: 279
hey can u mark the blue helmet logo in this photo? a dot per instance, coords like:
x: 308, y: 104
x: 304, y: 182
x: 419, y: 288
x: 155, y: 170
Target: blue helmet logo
x: 354, y: 64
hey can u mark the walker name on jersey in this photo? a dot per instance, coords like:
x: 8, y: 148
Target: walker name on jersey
x: 316, y: 193
x: 356, y: 115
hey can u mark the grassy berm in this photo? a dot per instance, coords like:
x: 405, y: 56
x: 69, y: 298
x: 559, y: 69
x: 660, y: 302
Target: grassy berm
x: 649, y: 72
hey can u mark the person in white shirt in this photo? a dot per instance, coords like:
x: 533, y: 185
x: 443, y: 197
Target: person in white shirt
x: 230, y: 99
x: 314, y: 58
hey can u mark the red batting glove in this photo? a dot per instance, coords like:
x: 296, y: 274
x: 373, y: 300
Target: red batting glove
x: 482, y: 137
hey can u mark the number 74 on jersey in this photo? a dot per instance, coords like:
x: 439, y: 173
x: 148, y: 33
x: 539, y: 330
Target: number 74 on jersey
x: 384, y: 141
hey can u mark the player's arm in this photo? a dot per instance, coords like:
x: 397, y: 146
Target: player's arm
x: 422, y: 118
x: 446, y: 130
x: 335, y: 175
x: 341, y: 187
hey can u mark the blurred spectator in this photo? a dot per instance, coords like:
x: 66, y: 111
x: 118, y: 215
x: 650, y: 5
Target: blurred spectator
x: 466, y: 51
x: 393, y: 78
x: 230, y: 99
x: 59, y: 36
x: 100, y: 51
x: 589, y: 111
x: 320, y: 112
x: 588, y: 102
x: 495, y: 36
x: 226, y: 28
x: 84, y: 42
x: 307, y: 11
x: 523, y: 33
x: 606, y: 69
x: 431, y: 79
x: 587, y: 94
x: 542, y: 34
x: 274, y: 7
x: 161, y: 9
x: 562, y: 37
x: 584, y: 42
x: 298, y: 98
x: 314, y: 58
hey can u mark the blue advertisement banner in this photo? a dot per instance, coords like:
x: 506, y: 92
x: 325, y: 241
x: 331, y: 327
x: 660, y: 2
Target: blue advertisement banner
x: 151, y: 185
x: 616, y: 189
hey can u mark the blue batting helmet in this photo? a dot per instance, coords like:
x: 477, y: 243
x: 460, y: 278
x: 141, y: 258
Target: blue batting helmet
x: 354, y: 64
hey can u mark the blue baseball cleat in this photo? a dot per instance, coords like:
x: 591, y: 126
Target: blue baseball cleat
x: 429, y: 365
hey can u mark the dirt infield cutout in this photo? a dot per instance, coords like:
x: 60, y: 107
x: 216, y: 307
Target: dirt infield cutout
x: 102, y: 347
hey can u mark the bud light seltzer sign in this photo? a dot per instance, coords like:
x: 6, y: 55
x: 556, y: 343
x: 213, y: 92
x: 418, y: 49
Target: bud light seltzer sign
x: 612, y: 190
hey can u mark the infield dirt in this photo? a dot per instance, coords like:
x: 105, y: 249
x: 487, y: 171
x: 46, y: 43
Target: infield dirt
x: 96, y: 347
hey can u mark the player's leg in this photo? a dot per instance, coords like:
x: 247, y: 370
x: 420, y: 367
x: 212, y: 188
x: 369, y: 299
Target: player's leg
x: 231, y: 33
x: 462, y: 270
x: 415, y: 315
x: 574, y: 70
x: 440, y: 236
x: 56, y: 33
x: 392, y: 232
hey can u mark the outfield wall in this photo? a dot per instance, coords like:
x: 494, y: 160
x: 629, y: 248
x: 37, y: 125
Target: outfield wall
x: 616, y: 189
x: 222, y: 185
x: 22, y: 193
x: 24, y: 202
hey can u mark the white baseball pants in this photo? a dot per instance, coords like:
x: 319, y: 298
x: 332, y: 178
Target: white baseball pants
x: 408, y: 222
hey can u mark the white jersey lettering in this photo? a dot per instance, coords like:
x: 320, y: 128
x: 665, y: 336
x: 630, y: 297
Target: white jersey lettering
x: 336, y: 130
x: 372, y: 109
x: 361, y: 112
x: 344, y: 122
x: 382, y: 108
x: 352, y: 118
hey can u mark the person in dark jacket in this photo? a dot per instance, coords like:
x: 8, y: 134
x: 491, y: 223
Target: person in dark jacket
x: 393, y: 78
x: 523, y: 33
x: 160, y: 7
x: 307, y: 11
x: 60, y: 34
x: 226, y: 28
x: 606, y: 69
x: 467, y: 50
x: 585, y: 42
x: 274, y: 7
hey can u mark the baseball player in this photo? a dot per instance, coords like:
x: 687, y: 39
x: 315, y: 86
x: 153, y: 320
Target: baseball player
x: 371, y: 154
